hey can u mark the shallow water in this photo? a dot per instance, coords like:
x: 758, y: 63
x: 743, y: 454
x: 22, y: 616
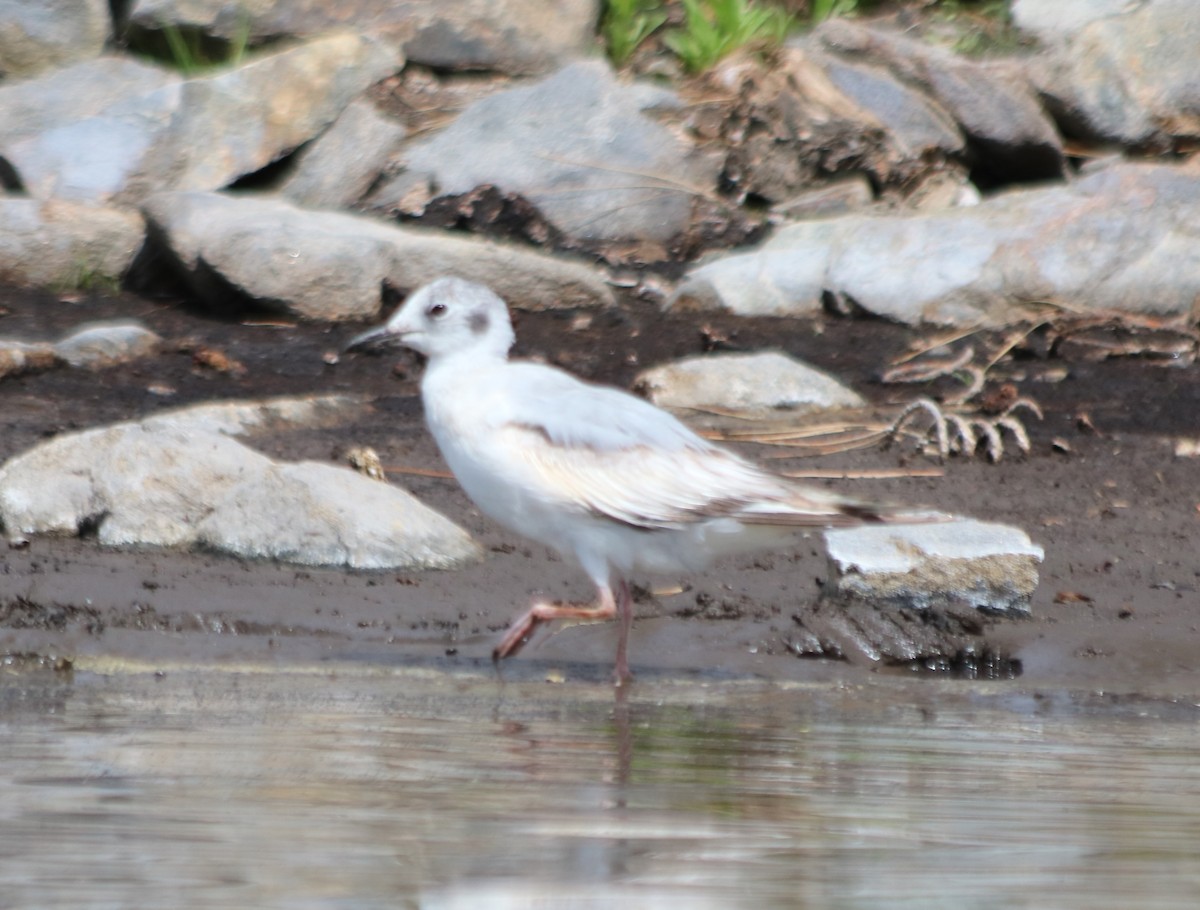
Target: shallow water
x: 362, y: 790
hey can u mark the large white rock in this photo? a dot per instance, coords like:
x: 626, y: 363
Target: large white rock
x: 762, y: 384
x: 319, y: 514
x: 1055, y: 21
x: 1128, y: 75
x: 1114, y: 240
x: 332, y: 266
x: 66, y: 245
x: 129, y: 484
x: 62, y: 96
x: 173, y: 486
x: 964, y: 562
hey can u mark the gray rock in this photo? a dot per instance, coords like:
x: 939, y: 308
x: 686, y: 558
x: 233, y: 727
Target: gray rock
x: 93, y: 345
x: 995, y: 106
x: 253, y: 114
x: 934, y: 566
x: 837, y: 198
x: 1114, y: 240
x: 243, y: 418
x: 63, y: 96
x: 332, y: 266
x: 343, y: 162
x: 1130, y: 78
x: 104, y: 344
x: 133, y: 485
x: 944, y: 189
x: 811, y: 114
x: 201, y: 133
x: 65, y: 245
x: 915, y: 125
x: 786, y: 276
x: 317, y: 514
x: 517, y: 36
x: 511, y: 36
x: 50, y: 33
x: 763, y: 384
x: 1055, y: 21
x: 1011, y: 136
x: 579, y: 145
x: 138, y: 485
x: 314, y: 265
x: 92, y: 161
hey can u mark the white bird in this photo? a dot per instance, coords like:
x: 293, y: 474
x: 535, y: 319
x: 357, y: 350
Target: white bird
x: 590, y: 471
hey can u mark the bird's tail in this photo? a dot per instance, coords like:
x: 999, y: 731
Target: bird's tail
x: 805, y: 507
x: 891, y: 513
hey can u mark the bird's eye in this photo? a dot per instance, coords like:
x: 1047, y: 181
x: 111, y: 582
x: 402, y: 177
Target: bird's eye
x: 437, y: 311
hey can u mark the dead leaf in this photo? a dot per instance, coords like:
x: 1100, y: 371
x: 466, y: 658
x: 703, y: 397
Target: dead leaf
x: 212, y: 359
x: 1071, y: 597
x: 999, y: 399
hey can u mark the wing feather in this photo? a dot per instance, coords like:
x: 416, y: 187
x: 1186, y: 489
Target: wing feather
x: 650, y: 488
x: 618, y: 456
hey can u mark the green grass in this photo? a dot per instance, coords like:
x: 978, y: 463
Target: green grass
x: 985, y: 25
x: 89, y: 278
x: 627, y: 23
x: 820, y: 10
x: 714, y: 29
x: 192, y: 52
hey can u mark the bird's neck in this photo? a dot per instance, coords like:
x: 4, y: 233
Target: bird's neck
x: 464, y: 357
x: 458, y: 366
x: 453, y: 391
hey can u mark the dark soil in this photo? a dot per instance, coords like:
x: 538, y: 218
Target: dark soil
x: 1101, y: 490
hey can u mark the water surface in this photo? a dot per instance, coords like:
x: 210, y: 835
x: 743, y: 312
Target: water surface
x: 355, y: 789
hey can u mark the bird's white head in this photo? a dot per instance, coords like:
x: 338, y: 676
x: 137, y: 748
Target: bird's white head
x: 447, y: 316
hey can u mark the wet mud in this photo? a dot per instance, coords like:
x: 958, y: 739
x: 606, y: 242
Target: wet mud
x: 1101, y: 490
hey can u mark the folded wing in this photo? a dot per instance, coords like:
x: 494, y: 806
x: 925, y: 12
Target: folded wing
x: 617, y: 456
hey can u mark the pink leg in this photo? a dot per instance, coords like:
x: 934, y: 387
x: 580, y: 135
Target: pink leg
x: 518, y: 633
x: 621, y: 674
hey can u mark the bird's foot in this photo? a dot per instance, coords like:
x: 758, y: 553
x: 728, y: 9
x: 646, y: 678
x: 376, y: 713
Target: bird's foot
x: 621, y: 676
x: 522, y: 627
x: 517, y: 635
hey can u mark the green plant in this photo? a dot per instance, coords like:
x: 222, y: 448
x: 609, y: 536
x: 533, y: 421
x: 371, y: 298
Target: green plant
x: 88, y: 277
x: 192, y: 52
x: 627, y: 23
x: 984, y: 26
x: 714, y: 28
x: 820, y: 10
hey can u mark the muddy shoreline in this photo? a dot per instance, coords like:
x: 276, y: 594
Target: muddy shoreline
x: 1116, y: 610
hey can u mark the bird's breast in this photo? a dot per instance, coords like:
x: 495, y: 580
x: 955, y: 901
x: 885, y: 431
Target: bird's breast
x: 467, y: 422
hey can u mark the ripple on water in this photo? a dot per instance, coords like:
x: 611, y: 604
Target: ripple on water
x: 342, y: 791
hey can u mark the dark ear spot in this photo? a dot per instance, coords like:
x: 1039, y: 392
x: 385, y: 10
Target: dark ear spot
x: 478, y: 322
